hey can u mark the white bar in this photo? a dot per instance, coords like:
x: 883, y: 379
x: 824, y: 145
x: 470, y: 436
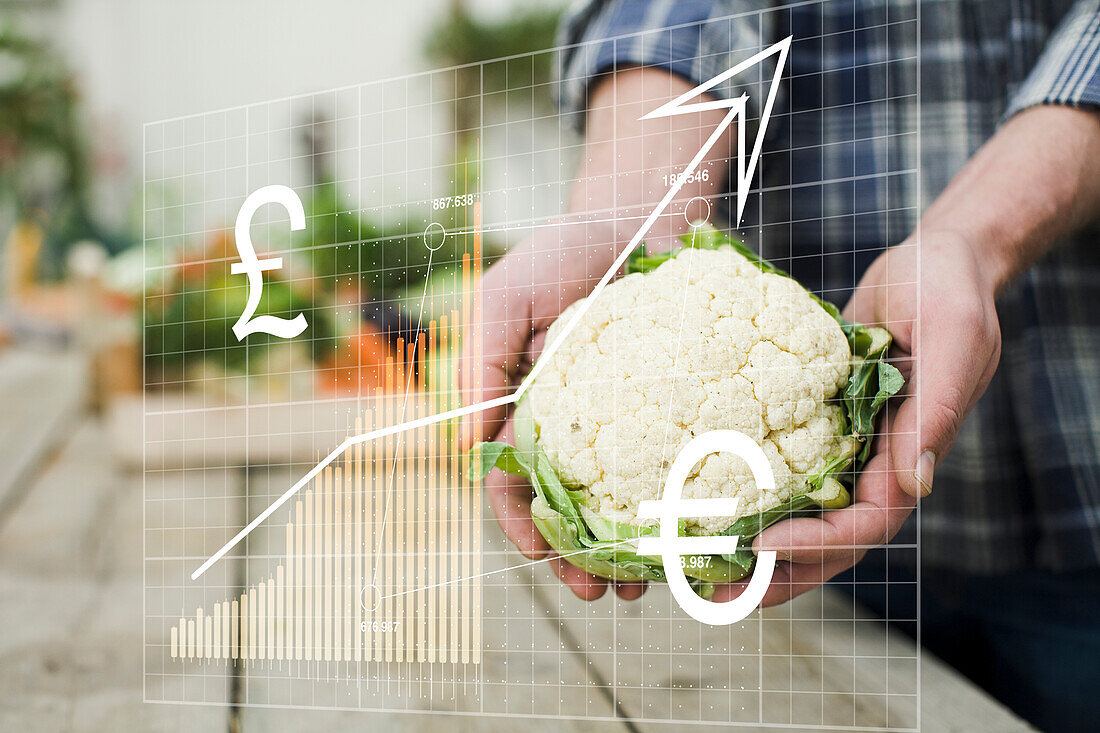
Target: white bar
x: 719, y: 545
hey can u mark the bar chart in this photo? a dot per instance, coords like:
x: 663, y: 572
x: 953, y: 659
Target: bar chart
x: 382, y: 552
x: 381, y: 564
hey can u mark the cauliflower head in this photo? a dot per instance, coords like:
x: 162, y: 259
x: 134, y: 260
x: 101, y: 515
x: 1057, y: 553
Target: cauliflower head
x: 706, y: 341
x: 711, y: 337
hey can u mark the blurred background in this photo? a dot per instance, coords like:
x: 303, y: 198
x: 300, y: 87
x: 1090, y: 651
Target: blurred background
x: 116, y: 352
x: 117, y: 301
x: 80, y: 79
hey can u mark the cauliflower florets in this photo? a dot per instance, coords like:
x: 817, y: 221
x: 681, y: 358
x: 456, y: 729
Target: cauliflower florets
x: 706, y: 341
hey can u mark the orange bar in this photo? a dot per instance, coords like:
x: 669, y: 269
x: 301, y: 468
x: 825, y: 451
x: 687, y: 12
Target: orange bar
x: 423, y: 498
x: 446, y: 548
x: 318, y: 556
x: 370, y: 562
x: 288, y: 591
x: 357, y: 578
x: 337, y: 567
x: 431, y: 494
x: 458, y: 547
x: 387, y: 534
x: 261, y: 621
x: 269, y: 648
x: 226, y: 615
x: 217, y: 649
x: 307, y: 582
x: 373, y: 560
x: 475, y: 487
x: 412, y: 546
x: 235, y: 615
x: 399, y: 364
x: 279, y: 590
x: 347, y: 589
x: 332, y: 478
x: 477, y: 240
x: 299, y: 608
x: 400, y: 483
x: 252, y: 639
x: 199, y: 641
x: 246, y: 632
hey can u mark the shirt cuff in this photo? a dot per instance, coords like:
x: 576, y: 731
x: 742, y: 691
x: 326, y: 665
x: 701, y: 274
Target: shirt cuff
x: 1068, y: 71
x: 692, y: 39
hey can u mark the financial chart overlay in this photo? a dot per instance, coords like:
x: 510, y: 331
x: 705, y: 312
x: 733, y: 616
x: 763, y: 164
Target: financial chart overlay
x: 313, y: 536
x: 364, y: 579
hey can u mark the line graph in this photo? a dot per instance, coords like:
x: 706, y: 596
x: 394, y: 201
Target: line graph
x: 322, y: 599
x: 745, y: 170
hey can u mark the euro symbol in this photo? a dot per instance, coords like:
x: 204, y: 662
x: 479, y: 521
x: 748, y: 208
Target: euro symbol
x: 670, y: 508
x: 282, y: 327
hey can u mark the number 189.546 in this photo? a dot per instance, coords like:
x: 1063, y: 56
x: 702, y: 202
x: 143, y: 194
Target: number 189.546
x: 694, y: 177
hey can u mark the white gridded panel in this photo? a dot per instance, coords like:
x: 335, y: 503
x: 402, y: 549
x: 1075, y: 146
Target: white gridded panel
x: 521, y: 643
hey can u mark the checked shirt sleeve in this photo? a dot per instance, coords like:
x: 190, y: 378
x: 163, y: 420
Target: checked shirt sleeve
x: 1068, y: 71
x: 694, y: 39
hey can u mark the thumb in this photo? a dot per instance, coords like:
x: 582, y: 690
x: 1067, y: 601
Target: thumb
x: 955, y: 354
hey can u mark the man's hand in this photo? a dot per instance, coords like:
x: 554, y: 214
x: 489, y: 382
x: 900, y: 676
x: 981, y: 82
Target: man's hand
x: 623, y: 176
x: 937, y: 301
x: 1034, y: 182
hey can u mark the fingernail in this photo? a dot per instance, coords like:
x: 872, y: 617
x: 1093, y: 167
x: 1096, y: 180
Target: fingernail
x: 783, y: 555
x: 926, y: 464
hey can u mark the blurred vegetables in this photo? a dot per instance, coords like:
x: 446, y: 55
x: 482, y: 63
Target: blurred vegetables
x: 190, y: 317
x: 44, y: 155
x: 345, y: 248
x: 358, y: 363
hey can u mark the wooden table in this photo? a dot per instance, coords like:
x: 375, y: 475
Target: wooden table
x: 71, y: 599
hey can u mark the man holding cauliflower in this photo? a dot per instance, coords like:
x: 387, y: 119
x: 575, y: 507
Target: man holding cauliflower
x: 989, y: 295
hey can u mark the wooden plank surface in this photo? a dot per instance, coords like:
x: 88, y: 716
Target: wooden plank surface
x: 185, y: 429
x: 71, y: 599
x: 70, y: 578
x: 820, y: 661
x: 41, y: 393
x: 519, y: 673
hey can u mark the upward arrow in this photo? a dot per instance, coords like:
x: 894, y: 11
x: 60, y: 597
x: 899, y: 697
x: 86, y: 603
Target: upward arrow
x: 736, y: 105
x: 678, y: 106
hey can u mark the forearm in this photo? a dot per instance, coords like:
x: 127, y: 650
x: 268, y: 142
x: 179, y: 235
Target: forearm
x: 629, y: 163
x: 1036, y: 181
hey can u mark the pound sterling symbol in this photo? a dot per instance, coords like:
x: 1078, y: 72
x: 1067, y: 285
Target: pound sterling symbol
x: 282, y: 327
x: 670, y: 508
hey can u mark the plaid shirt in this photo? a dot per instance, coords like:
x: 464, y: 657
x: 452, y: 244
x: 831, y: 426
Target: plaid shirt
x: 845, y: 171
